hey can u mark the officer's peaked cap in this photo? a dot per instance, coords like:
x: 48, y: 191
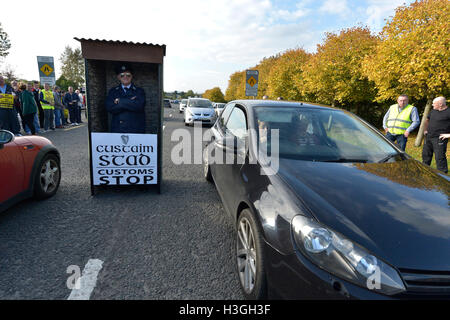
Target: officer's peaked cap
x: 122, y: 67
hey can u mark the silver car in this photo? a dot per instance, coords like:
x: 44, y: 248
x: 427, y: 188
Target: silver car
x: 183, y: 105
x: 199, y: 109
x: 218, y: 107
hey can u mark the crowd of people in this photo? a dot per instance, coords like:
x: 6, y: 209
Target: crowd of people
x: 25, y: 108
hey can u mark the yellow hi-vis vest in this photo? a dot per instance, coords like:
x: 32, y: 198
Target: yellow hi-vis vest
x: 7, y: 101
x: 48, y: 96
x: 398, y: 122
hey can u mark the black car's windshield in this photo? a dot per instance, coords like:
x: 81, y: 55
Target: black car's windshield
x: 200, y: 104
x: 319, y: 135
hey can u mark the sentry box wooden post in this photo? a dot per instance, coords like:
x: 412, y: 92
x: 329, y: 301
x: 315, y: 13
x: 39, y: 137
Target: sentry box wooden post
x: 123, y: 159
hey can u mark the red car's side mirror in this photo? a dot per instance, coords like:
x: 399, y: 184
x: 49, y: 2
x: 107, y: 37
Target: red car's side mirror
x: 5, y: 137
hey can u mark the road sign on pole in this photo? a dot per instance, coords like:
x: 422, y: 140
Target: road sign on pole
x: 46, y: 68
x: 251, y: 83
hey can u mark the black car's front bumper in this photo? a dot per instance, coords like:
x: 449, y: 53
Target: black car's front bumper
x: 295, y: 277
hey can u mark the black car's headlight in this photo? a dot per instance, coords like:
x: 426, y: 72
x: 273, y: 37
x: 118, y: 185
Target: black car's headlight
x: 341, y: 257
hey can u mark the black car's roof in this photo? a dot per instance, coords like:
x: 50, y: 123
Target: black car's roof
x: 277, y: 103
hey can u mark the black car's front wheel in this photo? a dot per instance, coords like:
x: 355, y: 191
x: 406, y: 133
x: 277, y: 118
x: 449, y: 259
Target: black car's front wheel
x: 48, y: 177
x: 250, y: 257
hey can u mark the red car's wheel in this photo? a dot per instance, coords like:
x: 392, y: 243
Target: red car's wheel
x: 47, y: 177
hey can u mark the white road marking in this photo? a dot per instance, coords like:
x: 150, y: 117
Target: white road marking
x: 87, y: 281
x: 164, y: 127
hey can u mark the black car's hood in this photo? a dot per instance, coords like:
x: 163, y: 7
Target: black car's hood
x: 399, y: 211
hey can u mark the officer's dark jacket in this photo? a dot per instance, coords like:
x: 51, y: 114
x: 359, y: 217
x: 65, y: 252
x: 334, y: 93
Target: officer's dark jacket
x: 128, y: 115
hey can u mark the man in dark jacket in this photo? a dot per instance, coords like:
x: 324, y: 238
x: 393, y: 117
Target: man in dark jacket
x: 71, y: 101
x: 126, y: 103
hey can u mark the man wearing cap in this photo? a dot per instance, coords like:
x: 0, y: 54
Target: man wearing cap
x: 126, y: 103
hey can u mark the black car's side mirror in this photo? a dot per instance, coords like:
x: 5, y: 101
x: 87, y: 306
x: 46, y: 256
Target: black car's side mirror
x: 5, y: 137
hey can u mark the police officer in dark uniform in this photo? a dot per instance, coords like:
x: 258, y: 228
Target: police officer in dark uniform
x: 126, y: 103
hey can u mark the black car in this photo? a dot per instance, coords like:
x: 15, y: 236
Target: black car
x: 166, y: 103
x: 326, y: 207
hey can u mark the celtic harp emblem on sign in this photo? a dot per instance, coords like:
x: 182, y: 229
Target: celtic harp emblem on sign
x: 125, y: 139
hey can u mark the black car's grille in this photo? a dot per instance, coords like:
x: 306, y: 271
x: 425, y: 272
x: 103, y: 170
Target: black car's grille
x: 426, y: 282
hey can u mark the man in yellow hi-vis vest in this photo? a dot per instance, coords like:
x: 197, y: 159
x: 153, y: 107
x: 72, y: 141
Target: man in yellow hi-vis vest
x: 48, y: 105
x: 8, y: 116
x: 400, y: 120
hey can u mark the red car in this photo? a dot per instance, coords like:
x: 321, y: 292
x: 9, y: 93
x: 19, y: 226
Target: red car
x: 29, y: 167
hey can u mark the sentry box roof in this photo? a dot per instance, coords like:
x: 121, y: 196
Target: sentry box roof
x: 112, y: 50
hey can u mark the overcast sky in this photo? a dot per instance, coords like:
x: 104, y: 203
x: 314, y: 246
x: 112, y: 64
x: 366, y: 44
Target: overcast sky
x: 206, y: 40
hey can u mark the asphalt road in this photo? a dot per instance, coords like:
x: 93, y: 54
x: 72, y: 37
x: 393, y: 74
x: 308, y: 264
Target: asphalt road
x: 174, y: 245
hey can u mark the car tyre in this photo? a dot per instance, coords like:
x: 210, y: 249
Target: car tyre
x: 206, y: 168
x: 250, y: 257
x: 48, y: 177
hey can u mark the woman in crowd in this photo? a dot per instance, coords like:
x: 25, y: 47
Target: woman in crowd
x: 29, y: 107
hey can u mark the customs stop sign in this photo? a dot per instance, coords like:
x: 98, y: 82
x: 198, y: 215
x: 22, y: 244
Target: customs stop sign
x: 124, y: 159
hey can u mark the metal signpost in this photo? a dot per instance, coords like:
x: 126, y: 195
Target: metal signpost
x: 251, y: 83
x: 46, y: 68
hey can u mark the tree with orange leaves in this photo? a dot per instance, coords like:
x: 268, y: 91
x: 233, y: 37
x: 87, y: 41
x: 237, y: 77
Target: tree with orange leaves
x: 286, y: 77
x: 334, y: 74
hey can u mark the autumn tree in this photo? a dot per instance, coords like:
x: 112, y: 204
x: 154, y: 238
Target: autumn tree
x: 9, y: 73
x: 5, y: 44
x: 64, y: 84
x: 73, y: 66
x: 188, y: 94
x: 413, y: 57
x: 333, y: 75
x: 214, y: 94
x: 286, y: 76
x: 236, y: 86
x: 264, y: 68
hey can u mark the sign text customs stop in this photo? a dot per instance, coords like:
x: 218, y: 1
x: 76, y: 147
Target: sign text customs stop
x: 124, y: 158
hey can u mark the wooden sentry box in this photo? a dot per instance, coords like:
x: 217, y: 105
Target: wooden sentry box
x: 146, y: 60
